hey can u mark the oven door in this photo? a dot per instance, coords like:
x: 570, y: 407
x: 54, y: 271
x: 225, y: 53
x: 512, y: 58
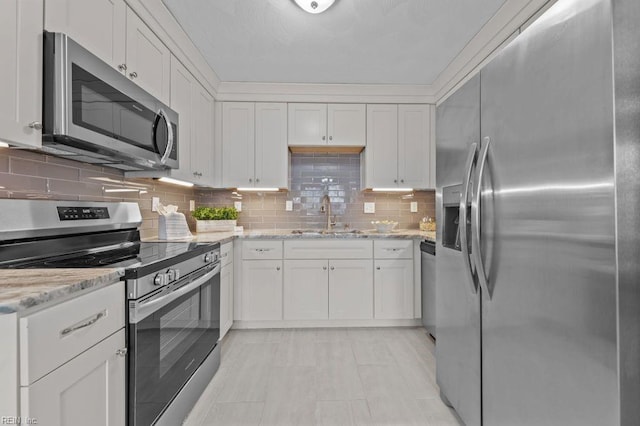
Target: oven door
x: 171, y: 333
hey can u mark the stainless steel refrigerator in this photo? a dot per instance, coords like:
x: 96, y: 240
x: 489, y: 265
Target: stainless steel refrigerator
x: 538, y: 205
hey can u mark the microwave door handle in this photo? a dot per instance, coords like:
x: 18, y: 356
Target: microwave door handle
x: 170, y: 136
x: 475, y: 221
x: 141, y: 310
x: 462, y: 221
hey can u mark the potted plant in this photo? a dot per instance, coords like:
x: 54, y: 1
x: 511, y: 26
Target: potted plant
x: 215, y: 219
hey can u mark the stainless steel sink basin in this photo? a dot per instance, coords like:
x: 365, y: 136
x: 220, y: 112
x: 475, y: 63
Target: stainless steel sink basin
x: 325, y: 232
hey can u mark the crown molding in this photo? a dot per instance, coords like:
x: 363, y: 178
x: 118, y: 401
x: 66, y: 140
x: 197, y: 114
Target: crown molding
x: 301, y: 92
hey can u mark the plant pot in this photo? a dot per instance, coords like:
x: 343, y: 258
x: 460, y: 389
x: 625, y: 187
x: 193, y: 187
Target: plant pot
x: 215, y: 225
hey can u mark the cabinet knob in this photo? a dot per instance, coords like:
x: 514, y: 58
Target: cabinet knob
x: 395, y: 181
x: 324, y: 268
x: 324, y: 138
x: 277, y: 268
x: 250, y: 180
x: 35, y: 125
x: 378, y: 268
x: 330, y: 138
x: 332, y: 268
x: 122, y: 67
x: 257, y: 180
x: 401, y: 180
x: 133, y: 75
x: 121, y: 352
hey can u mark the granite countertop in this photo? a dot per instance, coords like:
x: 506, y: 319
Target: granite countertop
x: 223, y: 237
x: 21, y: 289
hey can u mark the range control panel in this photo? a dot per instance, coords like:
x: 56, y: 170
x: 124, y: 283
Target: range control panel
x: 82, y: 213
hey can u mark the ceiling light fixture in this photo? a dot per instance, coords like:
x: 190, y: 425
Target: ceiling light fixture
x: 314, y: 6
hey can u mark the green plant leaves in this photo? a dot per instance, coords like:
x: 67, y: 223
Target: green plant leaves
x: 215, y: 213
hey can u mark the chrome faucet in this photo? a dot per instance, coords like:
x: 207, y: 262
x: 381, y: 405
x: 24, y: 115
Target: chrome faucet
x: 326, y: 208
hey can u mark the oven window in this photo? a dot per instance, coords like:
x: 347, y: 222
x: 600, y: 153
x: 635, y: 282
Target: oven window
x: 168, y: 346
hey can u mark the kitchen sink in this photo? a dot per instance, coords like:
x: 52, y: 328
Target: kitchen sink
x: 325, y: 231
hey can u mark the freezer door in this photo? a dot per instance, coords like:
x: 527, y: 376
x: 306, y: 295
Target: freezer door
x: 547, y: 224
x: 458, y: 307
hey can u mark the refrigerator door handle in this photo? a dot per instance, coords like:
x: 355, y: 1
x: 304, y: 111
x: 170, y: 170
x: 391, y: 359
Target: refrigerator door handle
x: 462, y: 222
x: 475, y: 221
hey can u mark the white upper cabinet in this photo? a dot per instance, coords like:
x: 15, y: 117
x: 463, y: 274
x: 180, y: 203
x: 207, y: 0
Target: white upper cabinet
x: 114, y: 33
x: 98, y: 25
x: 202, y: 134
x: 182, y: 88
x: 21, y: 72
x: 254, y: 145
x: 148, y: 59
x: 322, y: 124
x: 398, y: 153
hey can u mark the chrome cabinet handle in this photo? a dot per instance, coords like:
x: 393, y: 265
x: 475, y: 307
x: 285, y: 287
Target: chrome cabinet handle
x: 378, y: 268
x: 392, y: 249
x: 261, y: 250
x: 250, y: 180
x: 330, y: 138
x: 133, y: 75
x: 257, y: 180
x: 476, y: 249
x: 395, y: 181
x: 84, y: 324
x: 401, y: 180
x: 35, y: 125
x: 170, y: 135
x: 333, y: 268
x: 122, y: 67
x: 277, y: 268
x: 324, y: 138
x: 121, y: 352
x: 324, y: 268
x: 462, y: 216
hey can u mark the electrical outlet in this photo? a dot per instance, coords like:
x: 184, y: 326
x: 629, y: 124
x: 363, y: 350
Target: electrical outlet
x: 414, y: 207
x: 192, y: 205
x: 238, y: 205
x: 369, y: 207
x: 288, y: 206
x: 154, y: 203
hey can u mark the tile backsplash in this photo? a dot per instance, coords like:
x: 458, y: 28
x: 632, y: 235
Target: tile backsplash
x: 312, y: 176
x: 28, y: 174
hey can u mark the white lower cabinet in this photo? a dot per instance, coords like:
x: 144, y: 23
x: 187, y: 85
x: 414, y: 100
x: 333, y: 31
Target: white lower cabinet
x: 306, y: 289
x: 261, y: 290
x: 226, y: 288
x: 351, y: 289
x: 393, y: 281
x: 88, y: 390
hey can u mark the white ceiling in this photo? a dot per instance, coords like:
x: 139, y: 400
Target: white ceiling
x: 355, y: 41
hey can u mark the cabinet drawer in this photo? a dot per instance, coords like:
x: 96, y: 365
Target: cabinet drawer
x: 393, y: 249
x: 328, y: 249
x: 51, y: 337
x: 226, y: 253
x: 265, y: 249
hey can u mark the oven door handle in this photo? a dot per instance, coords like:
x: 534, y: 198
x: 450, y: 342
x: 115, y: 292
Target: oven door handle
x: 141, y: 310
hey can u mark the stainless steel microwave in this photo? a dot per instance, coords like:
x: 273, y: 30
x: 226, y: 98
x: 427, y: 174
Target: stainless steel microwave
x: 95, y: 114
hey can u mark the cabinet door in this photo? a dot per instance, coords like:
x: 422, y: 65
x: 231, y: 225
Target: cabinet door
x: 148, y: 59
x: 88, y: 390
x: 414, y: 147
x: 381, y: 154
x: 346, y: 124
x: 271, y: 154
x: 226, y: 291
x: 21, y: 71
x: 306, y: 289
x: 393, y: 289
x: 351, y: 289
x: 238, y: 144
x: 182, y: 91
x: 261, y: 290
x: 202, y: 135
x: 307, y: 124
x: 97, y: 25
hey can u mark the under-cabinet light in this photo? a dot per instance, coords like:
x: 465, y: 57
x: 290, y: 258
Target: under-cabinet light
x: 258, y: 189
x: 4, y: 145
x: 175, y: 181
x: 392, y: 189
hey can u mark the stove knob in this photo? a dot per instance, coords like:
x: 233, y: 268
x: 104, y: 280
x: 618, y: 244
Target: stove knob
x: 207, y: 258
x: 159, y: 279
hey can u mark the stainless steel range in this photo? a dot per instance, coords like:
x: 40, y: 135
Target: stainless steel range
x: 173, y: 293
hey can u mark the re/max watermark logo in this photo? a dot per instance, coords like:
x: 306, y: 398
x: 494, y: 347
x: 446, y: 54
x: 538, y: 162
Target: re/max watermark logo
x: 17, y: 420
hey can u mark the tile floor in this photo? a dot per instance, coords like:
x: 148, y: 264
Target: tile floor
x: 355, y: 376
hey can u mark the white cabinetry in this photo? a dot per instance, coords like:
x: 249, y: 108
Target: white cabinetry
x: 398, y: 153
x: 202, y: 134
x: 254, y: 145
x: 351, y: 289
x: 306, y: 289
x: 226, y: 288
x: 393, y: 279
x: 261, y: 273
x: 327, y: 124
x: 113, y: 32
x: 72, y: 361
x: 21, y: 72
